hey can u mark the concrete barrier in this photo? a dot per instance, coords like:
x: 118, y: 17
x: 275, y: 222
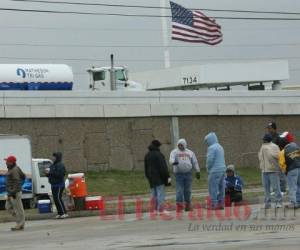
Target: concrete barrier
x: 99, y: 131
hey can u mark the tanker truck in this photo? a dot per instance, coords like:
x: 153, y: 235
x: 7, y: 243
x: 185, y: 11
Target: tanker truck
x: 60, y: 77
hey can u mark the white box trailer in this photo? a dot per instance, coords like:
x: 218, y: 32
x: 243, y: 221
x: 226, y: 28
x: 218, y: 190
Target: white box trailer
x: 214, y: 75
x: 36, y: 185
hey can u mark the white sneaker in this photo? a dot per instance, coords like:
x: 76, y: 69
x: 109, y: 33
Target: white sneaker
x: 64, y: 216
x: 164, y: 213
x: 273, y: 193
x: 58, y: 216
x: 278, y: 205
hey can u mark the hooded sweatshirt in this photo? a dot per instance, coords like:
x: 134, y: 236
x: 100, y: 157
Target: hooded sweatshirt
x: 215, y: 159
x: 57, y: 172
x: 186, y: 159
x: 156, y: 168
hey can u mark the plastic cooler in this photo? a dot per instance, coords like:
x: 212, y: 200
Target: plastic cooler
x: 93, y: 203
x: 78, y: 190
x: 77, y: 185
x: 44, y: 206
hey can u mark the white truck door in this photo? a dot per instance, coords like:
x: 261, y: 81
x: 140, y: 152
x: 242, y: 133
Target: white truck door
x: 100, y: 80
x: 40, y: 180
x: 121, y: 79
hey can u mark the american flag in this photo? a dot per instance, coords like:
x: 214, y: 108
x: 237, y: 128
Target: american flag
x: 194, y: 26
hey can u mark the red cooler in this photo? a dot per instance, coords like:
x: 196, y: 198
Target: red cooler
x: 93, y: 203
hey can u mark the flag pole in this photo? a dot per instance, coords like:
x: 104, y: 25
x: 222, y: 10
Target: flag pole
x: 165, y: 33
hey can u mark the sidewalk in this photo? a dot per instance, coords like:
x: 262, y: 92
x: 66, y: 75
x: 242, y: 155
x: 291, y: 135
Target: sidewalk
x: 129, y: 205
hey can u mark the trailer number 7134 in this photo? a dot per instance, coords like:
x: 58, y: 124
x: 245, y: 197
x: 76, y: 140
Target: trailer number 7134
x: 189, y: 80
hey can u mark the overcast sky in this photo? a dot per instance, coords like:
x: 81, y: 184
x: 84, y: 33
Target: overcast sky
x: 84, y: 40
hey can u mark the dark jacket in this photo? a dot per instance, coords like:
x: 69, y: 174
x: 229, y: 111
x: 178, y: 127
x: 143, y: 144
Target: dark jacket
x: 14, y: 180
x: 292, y: 156
x: 276, y: 139
x: 57, y: 172
x: 234, y: 182
x: 156, y: 169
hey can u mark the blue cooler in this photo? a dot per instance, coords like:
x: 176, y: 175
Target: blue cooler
x: 44, y: 206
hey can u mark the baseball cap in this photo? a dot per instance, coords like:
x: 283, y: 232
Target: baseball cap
x: 267, y: 138
x: 288, y: 136
x: 272, y: 125
x: 230, y: 168
x: 11, y: 159
x: 156, y: 143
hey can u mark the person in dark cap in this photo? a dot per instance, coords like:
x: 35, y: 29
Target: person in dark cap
x: 233, y: 186
x: 272, y: 129
x: 56, y: 177
x: 269, y: 165
x: 157, y: 174
x: 289, y: 161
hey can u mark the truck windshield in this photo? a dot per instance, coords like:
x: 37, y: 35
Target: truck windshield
x: 42, y: 166
x: 120, y: 75
x: 99, y: 76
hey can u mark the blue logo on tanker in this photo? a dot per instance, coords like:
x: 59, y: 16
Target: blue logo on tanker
x: 21, y: 72
x: 32, y: 73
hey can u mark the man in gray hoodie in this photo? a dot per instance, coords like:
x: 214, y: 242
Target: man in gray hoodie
x: 184, y: 161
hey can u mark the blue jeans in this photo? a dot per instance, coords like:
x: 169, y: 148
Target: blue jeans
x: 183, y: 187
x: 158, y: 196
x: 283, y: 181
x: 216, y: 188
x: 271, y: 179
x: 293, y: 180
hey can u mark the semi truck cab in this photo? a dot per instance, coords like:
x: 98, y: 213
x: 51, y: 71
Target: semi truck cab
x: 100, y: 79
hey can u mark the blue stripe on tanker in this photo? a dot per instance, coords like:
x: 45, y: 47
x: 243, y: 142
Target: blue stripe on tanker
x: 36, y: 86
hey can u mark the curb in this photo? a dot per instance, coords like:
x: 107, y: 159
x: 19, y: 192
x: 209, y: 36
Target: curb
x: 93, y: 213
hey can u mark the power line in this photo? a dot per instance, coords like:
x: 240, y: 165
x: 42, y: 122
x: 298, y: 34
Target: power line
x: 76, y: 28
x: 140, y: 15
x: 146, y: 60
x: 155, y: 7
x: 141, y: 46
x: 66, y: 28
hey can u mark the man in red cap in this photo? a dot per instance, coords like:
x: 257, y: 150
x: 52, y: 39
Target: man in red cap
x: 14, y: 180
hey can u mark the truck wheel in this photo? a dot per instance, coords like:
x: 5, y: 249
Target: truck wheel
x: 2, y: 205
x: 29, y: 203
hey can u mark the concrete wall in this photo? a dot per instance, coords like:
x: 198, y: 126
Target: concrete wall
x: 121, y: 143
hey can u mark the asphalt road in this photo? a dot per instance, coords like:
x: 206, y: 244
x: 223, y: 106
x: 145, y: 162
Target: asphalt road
x: 258, y: 232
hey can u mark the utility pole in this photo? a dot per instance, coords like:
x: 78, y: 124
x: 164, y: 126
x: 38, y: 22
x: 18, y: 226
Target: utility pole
x: 165, y: 33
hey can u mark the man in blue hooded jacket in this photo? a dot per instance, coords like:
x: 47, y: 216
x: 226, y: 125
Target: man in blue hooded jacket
x: 216, y: 167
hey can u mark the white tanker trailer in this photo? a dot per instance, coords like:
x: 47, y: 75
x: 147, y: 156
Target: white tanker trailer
x: 35, y: 77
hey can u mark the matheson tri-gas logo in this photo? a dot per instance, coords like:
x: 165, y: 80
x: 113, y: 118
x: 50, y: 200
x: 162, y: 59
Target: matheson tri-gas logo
x: 21, y: 72
x: 33, y: 73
